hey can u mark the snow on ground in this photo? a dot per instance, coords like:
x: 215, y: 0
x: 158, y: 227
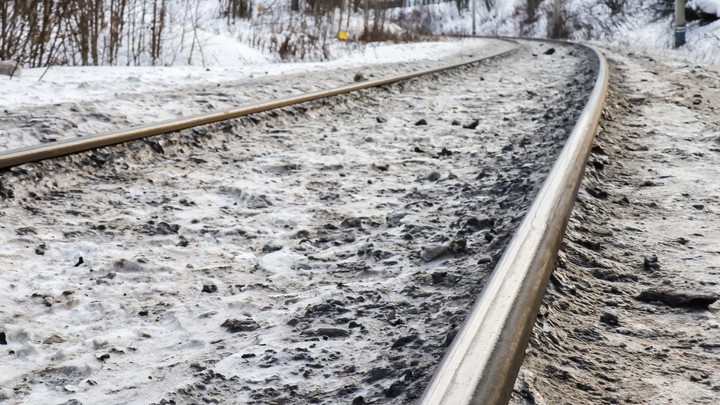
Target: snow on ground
x: 89, y: 100
x: 323, y: 254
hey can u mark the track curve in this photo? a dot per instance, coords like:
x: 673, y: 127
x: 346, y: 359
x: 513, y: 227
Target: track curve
x: 430, y: 280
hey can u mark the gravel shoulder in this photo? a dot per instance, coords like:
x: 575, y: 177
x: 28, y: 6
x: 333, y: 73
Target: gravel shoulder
x: 631, y: 313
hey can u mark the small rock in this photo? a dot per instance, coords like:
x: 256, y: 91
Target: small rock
x: 609, y: 319
x: 421, y: 122
x: 403, y: 341
x: 244, y: 325
x: 329, y: 332
x: 103, y: 357
x: 79, y: 262
x: 433, y: 176
x: 445, y: 152
x: 678, y: 299
x: 379, y: 373
x: 351, y: 222
x: 209, y: 288
x: 359, y: 77
x: 480, y: 224
x: 455, y: 123
x: 550, y: 51
x: 439, y: 277
x: 432, y: 252
x: 163, y: 228
x: 395, y: 389
x: 3, y: 338
x: 53, y: 339
x: 381, y: 120
x: 472, y: 125
x: 359, y: 400
x: 650, y: 263
x: 272, y: 247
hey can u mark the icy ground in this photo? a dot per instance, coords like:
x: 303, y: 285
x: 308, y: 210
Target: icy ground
x: 631, y: 315
x: 322, y: 254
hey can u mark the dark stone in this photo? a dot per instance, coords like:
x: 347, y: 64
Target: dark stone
x: 480, y: 224
x: 421, y: 122
x: 209, y: 288
x: 550, y: 51
x: 598, y: 193
x: 3, y: 338
x: 359, y: 400
x: 271, y: 247
x: 395, y: 389
x: 418, y: 150
x: 163, y: 228
x: 379, y: 373
x: 699, y: 207
x: 650, y: 263
x: 144, y: 312
x: 244, y: 325
x: 437, y: 278
x: 351, y: 223
x: 611, y: 275
x: 381, y: 120
x: 353, y: 325
x: 248, y: 355
x: 326, y: 308
x: 359, y: 77
x: 590, y: 245
x: 154, y: 145
x: 472, y: 125
x: 329, y: 332
x: 455, y: 123
x: 103, y: 357
x: 677, y: 299
x: 79, y: 262
x: 609, y: 319
x: 403, y: 341
x: 450, y: 337
x: 445, y: 152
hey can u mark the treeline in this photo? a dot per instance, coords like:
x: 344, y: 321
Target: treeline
x: 145, y: 32
x: 82, y: 32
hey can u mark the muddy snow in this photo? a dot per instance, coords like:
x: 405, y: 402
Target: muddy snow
x: 325, y: 253
x: 631, y: 314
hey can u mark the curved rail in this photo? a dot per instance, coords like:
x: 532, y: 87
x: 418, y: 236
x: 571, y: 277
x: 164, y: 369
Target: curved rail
x: 34, y: 153
x: 484, y: 359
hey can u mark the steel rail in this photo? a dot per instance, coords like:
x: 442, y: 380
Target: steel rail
x: 34, y: 153
x: 481, y: 365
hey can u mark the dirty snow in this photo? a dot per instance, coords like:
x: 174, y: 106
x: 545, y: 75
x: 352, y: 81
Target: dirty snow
x: 631, y: 314
x: 326, y: 253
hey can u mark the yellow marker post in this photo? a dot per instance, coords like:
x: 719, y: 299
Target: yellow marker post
x: 342, y: 35
x: 260, y: 9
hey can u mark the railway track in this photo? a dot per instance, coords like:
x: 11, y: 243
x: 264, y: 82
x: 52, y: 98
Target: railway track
x: 290, y: 255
